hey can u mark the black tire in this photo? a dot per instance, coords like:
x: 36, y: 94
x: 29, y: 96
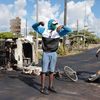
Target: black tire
x: 70, y: 73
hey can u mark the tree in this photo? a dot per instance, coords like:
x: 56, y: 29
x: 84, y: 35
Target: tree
x: 34, y: 34
x: 90, y: 38
x: 7, y: 35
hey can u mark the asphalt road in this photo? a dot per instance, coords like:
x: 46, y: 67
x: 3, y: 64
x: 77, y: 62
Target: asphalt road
x: 17, y: 86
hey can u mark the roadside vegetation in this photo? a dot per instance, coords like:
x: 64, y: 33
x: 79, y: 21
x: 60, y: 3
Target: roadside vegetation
x: 7, y: 35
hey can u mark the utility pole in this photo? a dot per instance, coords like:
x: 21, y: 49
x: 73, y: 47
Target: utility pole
x: 85, y: 17
x: 77, y: 25
x: 65, y: 22
x: 26, y: 27
x: 85, y: 20
x: 36, y: 34
x: 65, y: 12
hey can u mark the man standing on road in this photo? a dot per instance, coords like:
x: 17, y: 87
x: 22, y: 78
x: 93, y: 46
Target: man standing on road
x: 50, y: 40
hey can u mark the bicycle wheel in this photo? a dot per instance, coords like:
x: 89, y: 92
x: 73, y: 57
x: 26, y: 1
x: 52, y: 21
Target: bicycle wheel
x: 70, y: 73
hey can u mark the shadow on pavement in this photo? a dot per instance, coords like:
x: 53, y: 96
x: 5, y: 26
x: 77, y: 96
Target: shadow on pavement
x: 30, y: 80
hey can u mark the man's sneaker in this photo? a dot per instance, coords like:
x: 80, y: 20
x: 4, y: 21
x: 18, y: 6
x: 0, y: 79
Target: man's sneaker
x: 44, y: 91
x: 52, y: 89
x: 93, y: 77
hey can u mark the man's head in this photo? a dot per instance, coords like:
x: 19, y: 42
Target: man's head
x: 52, y: 24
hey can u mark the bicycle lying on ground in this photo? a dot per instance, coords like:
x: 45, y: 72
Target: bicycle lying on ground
x: 67, y: 73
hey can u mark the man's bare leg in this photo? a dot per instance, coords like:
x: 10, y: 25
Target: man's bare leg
x: 51, y: 79
x: 42, y: 80
x: 43, y: 89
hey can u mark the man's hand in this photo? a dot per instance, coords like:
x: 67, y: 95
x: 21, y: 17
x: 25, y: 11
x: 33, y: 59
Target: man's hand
x: 41, y: 23
x: 59, y: 28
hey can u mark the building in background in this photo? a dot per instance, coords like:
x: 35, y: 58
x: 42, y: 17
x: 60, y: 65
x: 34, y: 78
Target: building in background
x: 15, y: 25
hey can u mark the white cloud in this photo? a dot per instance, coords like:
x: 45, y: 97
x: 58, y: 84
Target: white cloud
x: 11, y: 11
x: 82, y: 11
x: 5, y: 15
x: 20, y: 8
x: 47, y: 11
x: 96, y: 27
x: 76, y: 11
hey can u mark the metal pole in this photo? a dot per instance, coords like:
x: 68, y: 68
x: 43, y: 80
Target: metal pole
x: 37, y: 34
x: 77, y: 26
x: 65, y: 21
x: 85, y: 17
x: 65, y: 12
x: 85, y: 20
x: 26, y: 27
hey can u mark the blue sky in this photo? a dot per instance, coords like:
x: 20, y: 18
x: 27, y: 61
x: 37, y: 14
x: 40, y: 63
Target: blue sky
x: 51, y: 9
x: 96, y: 8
